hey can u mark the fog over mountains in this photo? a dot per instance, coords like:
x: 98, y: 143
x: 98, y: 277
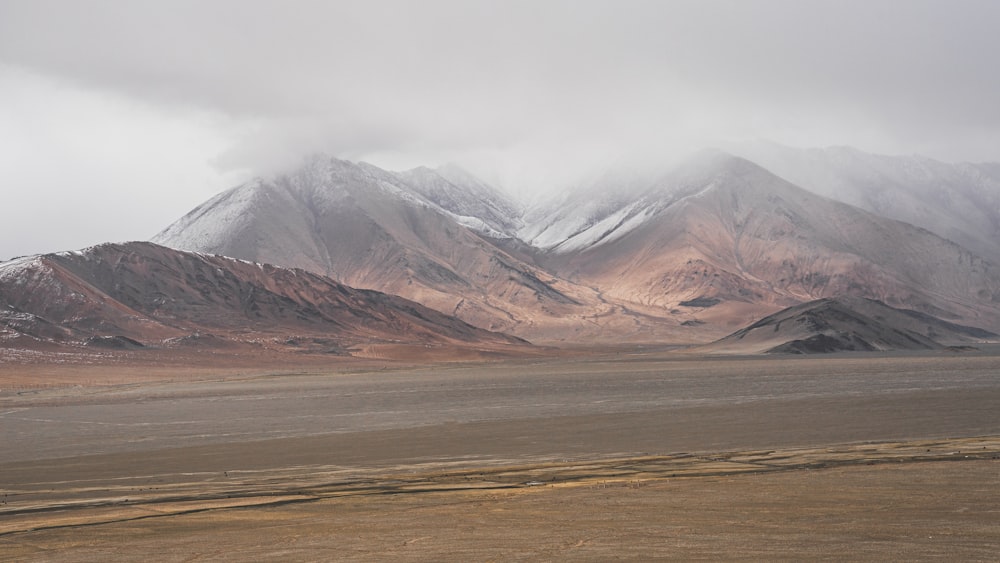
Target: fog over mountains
x: 960, y: 202
x: 684, y: 255
x: 373, y: 229
x: 338, y: 257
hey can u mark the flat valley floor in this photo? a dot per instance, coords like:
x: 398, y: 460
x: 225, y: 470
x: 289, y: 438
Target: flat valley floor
x: 621, y: 455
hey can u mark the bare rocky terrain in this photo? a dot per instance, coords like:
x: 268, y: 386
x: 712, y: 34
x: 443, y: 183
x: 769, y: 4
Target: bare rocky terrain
x: 848, y: 324
x: 138, y: 295
x: 370, y: 228
x: 726, y: 241
x: 686, y: 256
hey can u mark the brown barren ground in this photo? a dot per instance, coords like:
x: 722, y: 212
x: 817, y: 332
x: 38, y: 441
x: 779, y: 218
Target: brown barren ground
x: 896, y: 501
x: 626, y: 455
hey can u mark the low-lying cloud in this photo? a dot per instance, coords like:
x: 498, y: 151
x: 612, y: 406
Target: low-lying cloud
x: 530, y: 93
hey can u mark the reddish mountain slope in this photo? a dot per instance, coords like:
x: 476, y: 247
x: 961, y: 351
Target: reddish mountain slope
x: 368, y: 228
x: 688, y: 256
x: 731, y: 240
x: 154, y: 295
x: 400, y: 234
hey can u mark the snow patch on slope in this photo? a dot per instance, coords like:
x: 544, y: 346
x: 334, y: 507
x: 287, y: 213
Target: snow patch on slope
x: 469, y: 201
x: 608, y: 229
x: 20, y: 271
x: 227, y: 210
x: 478, y: 225
x: 546, y: 231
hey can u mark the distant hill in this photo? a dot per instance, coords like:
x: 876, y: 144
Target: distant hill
x: 132, y: 295
x: 846, y: 324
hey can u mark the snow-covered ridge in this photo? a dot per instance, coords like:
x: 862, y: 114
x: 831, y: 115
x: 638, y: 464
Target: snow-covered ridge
x: 468, y: 200
x: 478, y: 225
x: 207, y: 256
x: 226, y: 209
x: 17, y: 270
x: 600, y: 214
x: 609, y: 229
x: 574, y: 233
x: 959, y: 202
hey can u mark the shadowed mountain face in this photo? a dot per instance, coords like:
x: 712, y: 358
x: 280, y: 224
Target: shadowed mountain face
x: 686, y: 257
x: 126, y: 295
x: 845, y: 325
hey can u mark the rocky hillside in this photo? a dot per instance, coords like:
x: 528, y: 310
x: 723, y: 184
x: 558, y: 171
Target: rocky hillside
x: 684, y: 255
x: 403, y: 234
x: 141, y: 294
x: 846, y: 325
x: 727, y: 237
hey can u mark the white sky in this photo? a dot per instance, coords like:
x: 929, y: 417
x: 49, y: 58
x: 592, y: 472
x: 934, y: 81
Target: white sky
x: 117, y: 117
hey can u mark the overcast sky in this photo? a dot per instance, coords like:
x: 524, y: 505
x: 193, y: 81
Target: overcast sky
x: 117, y: 117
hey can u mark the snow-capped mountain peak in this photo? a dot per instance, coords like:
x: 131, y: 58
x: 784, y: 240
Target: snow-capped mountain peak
x: 625, y: 249
x: 470, y: 201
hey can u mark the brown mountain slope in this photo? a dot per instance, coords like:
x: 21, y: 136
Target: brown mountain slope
x: 689, y: 257
x: 364, y: 227
x: 369, y: 228
x: 731, y: 241
x: 846, y: 324
x: 960, y: 202
x: 125, y: 294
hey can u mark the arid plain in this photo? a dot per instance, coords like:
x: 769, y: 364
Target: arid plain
x: 631, y: 453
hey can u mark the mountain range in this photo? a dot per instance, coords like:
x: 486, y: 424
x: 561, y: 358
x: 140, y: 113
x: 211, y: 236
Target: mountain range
x: 140, y: 294
x: 416, y: 234
x: 340, y: 256
x: 721, y: 233
x: 685, y: 255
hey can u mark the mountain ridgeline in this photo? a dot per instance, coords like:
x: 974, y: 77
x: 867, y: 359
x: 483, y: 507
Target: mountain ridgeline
x: 136, y: 294
x: 960, y: 202
x: 847, y: 324
x: 686, y: 255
